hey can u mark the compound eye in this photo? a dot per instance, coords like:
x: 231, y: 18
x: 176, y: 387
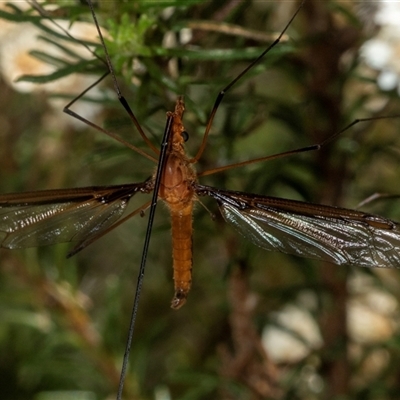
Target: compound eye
x: 185, y: 136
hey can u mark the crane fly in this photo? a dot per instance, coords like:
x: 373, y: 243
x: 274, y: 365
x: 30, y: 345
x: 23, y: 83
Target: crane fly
x: 83, y: 215
x: 337, y: 235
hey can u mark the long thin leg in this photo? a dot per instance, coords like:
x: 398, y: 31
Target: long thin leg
x: 312, y: 147
x: 121, y: 98
x: 139, y: 285
x: 107, y: 63
x: 67, y: 110
x: 86, y: 243
x: 223, y: 91
x: 34, y: 4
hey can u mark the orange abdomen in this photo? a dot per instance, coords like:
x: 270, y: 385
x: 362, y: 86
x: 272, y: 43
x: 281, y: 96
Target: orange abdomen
x: 181, y: 223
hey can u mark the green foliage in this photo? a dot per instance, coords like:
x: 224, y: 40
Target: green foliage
x: 64, y: 322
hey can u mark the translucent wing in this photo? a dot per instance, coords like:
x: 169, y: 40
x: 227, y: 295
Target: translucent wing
x: 54, y: 216
x: 333, y: 234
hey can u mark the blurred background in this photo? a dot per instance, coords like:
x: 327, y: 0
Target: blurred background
x: 257, y: 324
